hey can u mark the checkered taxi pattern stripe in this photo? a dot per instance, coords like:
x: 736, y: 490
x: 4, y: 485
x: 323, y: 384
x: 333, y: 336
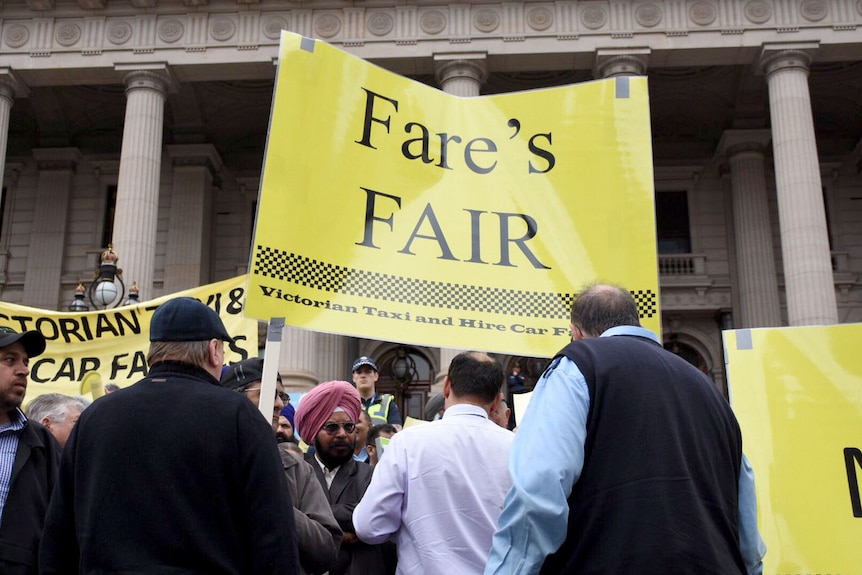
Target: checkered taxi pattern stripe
x: 300, y: 270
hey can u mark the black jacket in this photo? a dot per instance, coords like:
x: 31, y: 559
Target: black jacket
x: 34, y: 474
x: 172, y: 475
x: 347, y: 489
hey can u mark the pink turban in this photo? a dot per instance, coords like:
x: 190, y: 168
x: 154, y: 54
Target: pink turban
x: 317, y: 406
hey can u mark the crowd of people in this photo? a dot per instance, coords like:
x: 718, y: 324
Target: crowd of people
x: 629, y: 460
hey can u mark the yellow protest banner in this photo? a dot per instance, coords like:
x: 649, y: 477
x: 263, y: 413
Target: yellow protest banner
x: 797, y: 393
x: 391, y: 210
x: 114, y: 342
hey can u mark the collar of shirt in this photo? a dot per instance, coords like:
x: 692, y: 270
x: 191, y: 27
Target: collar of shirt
x: 17, y: 421
x: 464, y: 409
x: 631, y: 330
x: 369, y: 401
x: 328, y: 474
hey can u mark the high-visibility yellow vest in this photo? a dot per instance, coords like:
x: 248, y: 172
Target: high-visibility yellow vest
x: 379, y: 412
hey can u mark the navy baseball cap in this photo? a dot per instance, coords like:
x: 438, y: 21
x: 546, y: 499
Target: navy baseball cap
x: 362, y: 361
x: 32, y: 341
x: 186, y: 319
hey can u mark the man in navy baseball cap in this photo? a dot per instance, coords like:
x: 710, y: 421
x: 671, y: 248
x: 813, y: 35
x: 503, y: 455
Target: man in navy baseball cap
x: 174, y: 443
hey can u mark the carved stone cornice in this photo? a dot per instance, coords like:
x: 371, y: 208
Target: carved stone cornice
x: 563, y: 34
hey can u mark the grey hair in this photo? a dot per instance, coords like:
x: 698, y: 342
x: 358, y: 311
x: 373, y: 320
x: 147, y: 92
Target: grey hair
x: 55, y: 406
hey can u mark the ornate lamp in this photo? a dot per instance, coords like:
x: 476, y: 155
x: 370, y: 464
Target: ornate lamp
x: 107, y: 289
x: 78, y: 304
x: 133, y: 295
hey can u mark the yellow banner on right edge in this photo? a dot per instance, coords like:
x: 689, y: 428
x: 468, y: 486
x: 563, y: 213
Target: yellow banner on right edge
x: 797, y: 393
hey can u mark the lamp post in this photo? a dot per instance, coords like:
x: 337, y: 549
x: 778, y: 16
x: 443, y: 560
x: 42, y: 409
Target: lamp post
x: 107, y: 289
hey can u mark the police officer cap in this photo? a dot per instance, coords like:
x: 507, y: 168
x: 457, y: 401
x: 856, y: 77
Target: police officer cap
x: 186, y: 319
x: 362, y: 361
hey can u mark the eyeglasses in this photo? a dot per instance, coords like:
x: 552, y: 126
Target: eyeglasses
x: 282, y: 395
x: 332, y: 427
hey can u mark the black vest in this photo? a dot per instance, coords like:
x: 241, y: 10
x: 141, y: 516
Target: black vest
x: 658, y: 493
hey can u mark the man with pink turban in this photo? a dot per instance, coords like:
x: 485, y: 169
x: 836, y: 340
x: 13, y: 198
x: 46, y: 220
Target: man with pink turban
x: 326, y: 418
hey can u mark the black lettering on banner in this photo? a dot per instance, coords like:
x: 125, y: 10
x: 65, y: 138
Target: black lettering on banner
x: 237, y: 349
x: 370, y: 218
x: 139, y: 365
x: 369, y: 117
x: 116, y: 364
x: 68, y: 369
x: 420, y: 147
x: 214, y: 301
x: 130, y: 322
x: 428, y: 227
x: 69, y: 326
x: 853, y: 459
x: 429, y: 215
x: 542, y: 153
x: 48, y: 328
x: 235, y: 304
x: 36, y: 369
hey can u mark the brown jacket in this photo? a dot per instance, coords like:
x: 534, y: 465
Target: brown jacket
x: 317, y: 531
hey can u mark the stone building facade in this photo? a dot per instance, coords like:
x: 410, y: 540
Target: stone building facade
x: 143, y: 123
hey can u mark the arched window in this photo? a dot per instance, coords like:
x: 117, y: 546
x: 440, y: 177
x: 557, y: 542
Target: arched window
x: 406, y: 373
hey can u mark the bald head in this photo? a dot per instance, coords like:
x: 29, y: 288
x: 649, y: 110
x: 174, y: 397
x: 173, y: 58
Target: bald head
x: 600, y: 307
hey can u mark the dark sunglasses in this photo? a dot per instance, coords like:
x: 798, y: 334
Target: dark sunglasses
x: 332, y: 427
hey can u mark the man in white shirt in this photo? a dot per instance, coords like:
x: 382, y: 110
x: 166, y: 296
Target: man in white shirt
x: 440, y: 488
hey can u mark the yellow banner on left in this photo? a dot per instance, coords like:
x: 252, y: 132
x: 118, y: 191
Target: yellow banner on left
x: 114, y: 342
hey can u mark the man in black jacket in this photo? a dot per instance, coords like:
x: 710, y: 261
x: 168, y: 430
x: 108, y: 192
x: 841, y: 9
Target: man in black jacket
x: 174, y: 474
x: 29, y: 458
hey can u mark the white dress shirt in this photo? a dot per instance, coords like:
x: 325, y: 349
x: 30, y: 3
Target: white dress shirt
x: 439, y: 489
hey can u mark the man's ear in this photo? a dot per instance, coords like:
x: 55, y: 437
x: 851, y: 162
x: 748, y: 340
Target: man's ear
x: 447, y: 387
x: 577, y: 334
x: 215, y: 353
x: 495, y: 405
x: 46, y: 423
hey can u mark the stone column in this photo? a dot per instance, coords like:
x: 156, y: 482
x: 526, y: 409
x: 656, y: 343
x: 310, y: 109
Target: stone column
x: 755, y: 256
x: 804, y: 238
x: 137, y: 207
x: 187, y: 257
x: 42, y: 286
x: 461, y: 74
x: 297, y: 362
x: 10, y: 87
x: 332, y: 360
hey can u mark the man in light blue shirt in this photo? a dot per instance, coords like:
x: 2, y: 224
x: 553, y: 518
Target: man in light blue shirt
x: 626, y: 461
